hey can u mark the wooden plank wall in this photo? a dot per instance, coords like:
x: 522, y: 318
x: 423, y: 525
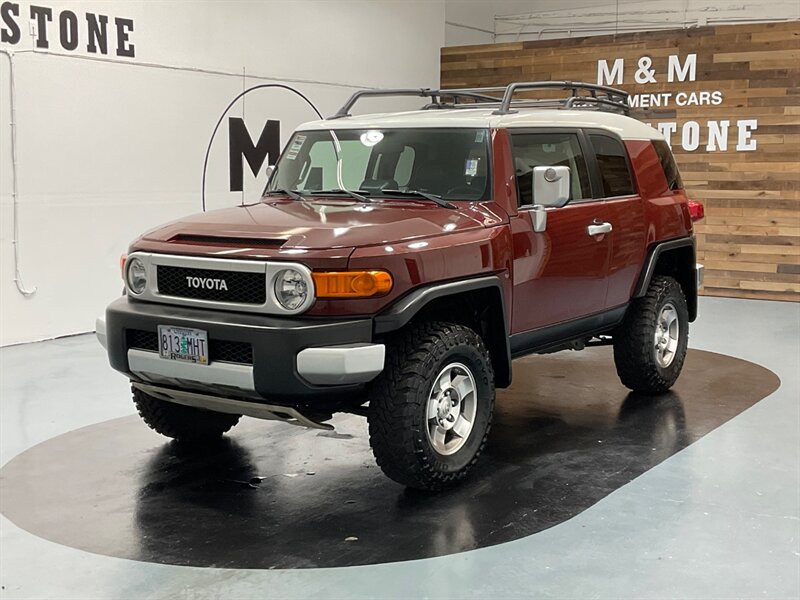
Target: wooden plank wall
x: 750, y: 238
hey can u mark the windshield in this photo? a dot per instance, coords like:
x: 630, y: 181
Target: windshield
x: 451, y: 163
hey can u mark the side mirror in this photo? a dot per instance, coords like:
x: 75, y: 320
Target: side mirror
x: 269, y: 171
x: 551, y: 186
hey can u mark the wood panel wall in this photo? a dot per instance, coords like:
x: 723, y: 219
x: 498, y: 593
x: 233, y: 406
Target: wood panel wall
x: 750, y: 238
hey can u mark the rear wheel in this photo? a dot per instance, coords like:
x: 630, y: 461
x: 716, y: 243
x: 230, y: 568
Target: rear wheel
x: 651, y: 344
x: 180, y: 422
x: 431, y: 409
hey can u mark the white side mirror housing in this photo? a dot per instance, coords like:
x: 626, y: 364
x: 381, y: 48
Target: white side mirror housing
x: 551, y: 186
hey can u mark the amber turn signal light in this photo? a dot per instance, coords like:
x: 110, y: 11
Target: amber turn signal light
x: 122, y: 260
x: 351, y: 284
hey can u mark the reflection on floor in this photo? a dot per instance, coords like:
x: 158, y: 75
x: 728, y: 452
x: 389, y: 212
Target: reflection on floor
x: 718, y: 519
x: 566, y: 435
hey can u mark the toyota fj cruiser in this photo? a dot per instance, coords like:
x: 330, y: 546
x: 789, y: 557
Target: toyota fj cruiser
x: 397, y: 264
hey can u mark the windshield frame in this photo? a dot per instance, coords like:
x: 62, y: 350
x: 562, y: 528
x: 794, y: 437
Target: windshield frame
x: 334, y: 132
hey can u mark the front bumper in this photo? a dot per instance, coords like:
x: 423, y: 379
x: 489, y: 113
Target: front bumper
x: 294, y: 360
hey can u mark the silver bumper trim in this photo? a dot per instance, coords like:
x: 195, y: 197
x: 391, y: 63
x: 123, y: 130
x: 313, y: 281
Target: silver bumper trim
x: 338, y: 365
x: 259, y: 410
x: 699, y: 271
x: 100, y: 332
x: 148, y: 364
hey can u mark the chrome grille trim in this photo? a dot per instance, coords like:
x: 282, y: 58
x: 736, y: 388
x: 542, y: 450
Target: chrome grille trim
x: 270, y: 269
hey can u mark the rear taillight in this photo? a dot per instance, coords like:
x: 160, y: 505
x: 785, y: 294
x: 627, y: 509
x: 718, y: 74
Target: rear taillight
x: 696, y: 210
x: 122, y: 260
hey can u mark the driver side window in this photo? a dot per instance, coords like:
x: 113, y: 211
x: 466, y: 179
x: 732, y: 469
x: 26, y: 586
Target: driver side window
x: 532, y: 150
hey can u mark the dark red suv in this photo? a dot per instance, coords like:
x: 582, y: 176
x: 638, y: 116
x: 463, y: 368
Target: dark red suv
x: 397, y: 263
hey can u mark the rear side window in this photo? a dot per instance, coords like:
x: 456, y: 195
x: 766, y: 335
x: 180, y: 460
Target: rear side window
x: 674, y: 181
x: 613, y: 165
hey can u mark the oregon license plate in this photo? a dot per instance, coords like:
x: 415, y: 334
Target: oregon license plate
x: 183, y: 343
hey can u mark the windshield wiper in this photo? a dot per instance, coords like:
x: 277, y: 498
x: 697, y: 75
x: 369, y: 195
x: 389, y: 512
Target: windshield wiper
x: 294, y: 195
x: 350, y: 193
x: 432, y: 197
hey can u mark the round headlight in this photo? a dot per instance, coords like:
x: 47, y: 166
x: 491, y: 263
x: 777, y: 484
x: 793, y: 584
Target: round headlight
x: 137, y: 275
x: 291, y: 289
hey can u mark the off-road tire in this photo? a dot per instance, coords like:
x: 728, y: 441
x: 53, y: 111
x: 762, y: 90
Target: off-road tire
x: 398, y: 401
x: 183, y: 423
x: 634, y: 348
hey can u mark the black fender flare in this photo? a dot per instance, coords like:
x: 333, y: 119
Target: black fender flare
x: 401, y: 312
x: 649, y: 268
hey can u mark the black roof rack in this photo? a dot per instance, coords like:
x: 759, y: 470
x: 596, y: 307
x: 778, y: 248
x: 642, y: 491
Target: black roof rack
x: 582, y: 96
x: 599, y: 96
x: 475, y: 94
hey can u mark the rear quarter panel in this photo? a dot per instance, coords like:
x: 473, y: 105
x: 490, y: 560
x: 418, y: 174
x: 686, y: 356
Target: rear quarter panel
x: 666, y: 213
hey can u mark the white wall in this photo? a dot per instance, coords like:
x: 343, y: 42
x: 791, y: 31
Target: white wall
x: 109, y: 148
x: 472, y: 22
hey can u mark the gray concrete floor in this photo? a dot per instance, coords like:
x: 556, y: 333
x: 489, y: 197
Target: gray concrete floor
x: 720, y: 519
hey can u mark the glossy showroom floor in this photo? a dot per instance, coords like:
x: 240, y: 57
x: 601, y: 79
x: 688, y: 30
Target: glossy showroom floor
x: 584, y: 491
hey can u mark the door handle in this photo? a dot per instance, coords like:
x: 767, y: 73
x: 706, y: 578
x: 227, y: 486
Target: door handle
x: 599, y: 229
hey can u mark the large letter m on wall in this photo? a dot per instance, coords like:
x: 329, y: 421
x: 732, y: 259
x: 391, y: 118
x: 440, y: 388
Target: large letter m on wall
x: 241, y: 145
x: 613, y: 76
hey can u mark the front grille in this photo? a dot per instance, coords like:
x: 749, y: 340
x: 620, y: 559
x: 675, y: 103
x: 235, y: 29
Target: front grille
x: 219, y: 350
x: 142, y: 340
x: 235, y: 352
x: 240, y: 288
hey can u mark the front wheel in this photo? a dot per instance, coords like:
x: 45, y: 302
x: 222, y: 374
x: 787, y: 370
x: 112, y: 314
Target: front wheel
x: 431, y: 409
x: 650, y: 346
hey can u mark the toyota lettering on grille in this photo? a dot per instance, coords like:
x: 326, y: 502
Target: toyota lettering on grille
x: 206, y: 283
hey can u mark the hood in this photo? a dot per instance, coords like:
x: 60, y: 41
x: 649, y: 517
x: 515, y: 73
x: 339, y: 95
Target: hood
x: 326, y: 223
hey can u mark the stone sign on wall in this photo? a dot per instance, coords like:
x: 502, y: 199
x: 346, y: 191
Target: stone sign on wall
x: 728, y: 101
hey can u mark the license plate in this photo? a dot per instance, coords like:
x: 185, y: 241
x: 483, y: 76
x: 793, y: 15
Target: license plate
x: 183, y: 343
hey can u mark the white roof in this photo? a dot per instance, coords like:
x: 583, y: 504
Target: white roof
x: 625, y: 127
